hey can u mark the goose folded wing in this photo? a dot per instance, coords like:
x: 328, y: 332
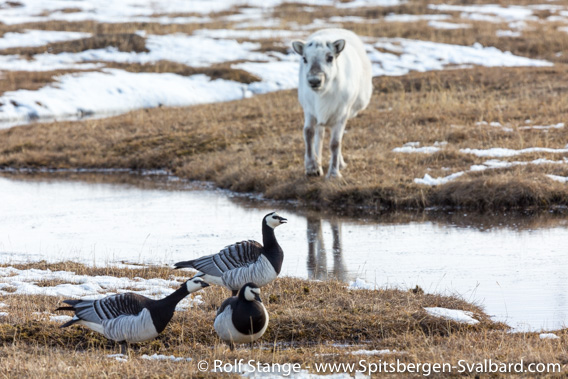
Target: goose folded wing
x: 240, y: 254
x: 110, y: 307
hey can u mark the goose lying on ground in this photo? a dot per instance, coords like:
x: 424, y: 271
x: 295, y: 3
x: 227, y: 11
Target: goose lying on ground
x: 129, y: 317
x: 242, y: 318
x: 243, y: 262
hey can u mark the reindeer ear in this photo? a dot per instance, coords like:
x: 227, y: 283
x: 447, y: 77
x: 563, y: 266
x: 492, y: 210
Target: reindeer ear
x: 338, y: 46
x: 298, y: 47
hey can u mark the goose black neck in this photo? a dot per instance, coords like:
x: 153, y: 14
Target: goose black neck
x: 162, y: 310
x: 175, y: 297
x: 272, y: 249
x: 268, y: 237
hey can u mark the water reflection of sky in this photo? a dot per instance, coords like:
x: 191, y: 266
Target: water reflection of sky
x: 519, y: 276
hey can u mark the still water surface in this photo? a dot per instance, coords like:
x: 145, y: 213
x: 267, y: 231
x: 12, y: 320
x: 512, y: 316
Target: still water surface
x: 516, y: 269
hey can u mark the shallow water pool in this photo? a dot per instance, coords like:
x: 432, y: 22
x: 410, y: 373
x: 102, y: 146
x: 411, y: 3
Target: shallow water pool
x: 517, y: 269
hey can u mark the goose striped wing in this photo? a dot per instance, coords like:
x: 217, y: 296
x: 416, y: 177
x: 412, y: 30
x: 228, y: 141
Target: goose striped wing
x: 240, y: 254
x: 109, y: 307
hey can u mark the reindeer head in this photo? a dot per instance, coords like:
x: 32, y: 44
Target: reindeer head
x: 318, y: 61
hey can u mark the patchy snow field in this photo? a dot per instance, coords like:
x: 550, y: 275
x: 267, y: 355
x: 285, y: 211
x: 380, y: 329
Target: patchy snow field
x: 108, y: 92
x: 24, y: 282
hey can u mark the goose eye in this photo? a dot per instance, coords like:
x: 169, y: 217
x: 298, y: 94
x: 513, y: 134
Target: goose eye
x: 305, y: 60
x: 329, y: 58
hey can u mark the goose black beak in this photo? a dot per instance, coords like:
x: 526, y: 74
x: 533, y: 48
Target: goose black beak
x: 205, y: 284
x: 283, y: 220
x: 257, y: 298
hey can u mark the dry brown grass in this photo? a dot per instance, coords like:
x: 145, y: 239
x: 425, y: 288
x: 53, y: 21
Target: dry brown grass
x: 306, y: 320
x: 257, y: 145
x: 30, y: 80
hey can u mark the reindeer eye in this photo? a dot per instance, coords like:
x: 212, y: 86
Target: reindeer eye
x: 329, y: 58
x: 305, y: 60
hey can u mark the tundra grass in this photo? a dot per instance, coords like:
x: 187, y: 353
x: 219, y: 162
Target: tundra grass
x: 256, y: 144
x: 310, y: 322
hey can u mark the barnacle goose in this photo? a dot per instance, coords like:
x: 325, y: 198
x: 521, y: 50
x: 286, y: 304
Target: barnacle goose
x: 129, y: 317
x: 243, y: 262
x: 242, y: 318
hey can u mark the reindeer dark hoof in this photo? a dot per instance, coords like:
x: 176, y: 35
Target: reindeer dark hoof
x: 314, y: 173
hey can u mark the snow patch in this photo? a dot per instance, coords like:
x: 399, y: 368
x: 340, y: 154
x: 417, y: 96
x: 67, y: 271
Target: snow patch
x: 500, y: 152
x: 60, y: 319
x: 373, y: 352
x: 452, y: 314
x: 81, y: 286
x: 33, y: 38
x: 119, y: 357
x: 488, y: 165
x: 161, y: 357
x: 413, y: 147
x: 447, y: 25
x: 561, y: 179
x: 500, y: 13
x: 360, y: 284
x: 112, y: 92
x: 393, y: 17
x: 430, y: 181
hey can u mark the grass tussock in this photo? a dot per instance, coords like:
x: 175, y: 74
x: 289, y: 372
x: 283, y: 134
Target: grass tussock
x: 307, y: 322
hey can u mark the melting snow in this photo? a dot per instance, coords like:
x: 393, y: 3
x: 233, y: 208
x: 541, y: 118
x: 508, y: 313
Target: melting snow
x: 249, y: 34
x: 453, y: 314
x: 511, y: 13
x: 393, y: 17
x: 204, y: 52
x: 3, y: 314
x: 80, y: 286
x: 113, y: 91
x: 560, y: 125
x: 31, y: 38
x: 487, y: 165
x: 360, y: 284
x: 561, y: 179
x: 413, y: 147
x: 119, y: 357
x: 373, y: 352
x: 161, y: 357
x: 60, y: 319
x: 447, y: 25
x: 504, y: 152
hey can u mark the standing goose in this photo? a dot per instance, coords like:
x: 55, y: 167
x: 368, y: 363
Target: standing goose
x: 242, y: 318
x: 243, y: 262
x: 129, y: 317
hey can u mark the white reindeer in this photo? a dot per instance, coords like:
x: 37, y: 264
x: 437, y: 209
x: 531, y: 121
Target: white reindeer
x: 335, y: 84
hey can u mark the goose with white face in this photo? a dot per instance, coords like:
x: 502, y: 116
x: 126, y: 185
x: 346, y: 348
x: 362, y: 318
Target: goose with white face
x: 252, y: 293
x: 242, y: 318
x: 274, y: 219
x: 245, y: 261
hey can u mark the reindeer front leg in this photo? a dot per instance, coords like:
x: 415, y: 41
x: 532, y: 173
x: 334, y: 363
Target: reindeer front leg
x: 335, y: 147
x: 313, y: 167
x: 318, y: 144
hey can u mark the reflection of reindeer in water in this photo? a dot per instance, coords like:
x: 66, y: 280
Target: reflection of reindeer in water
x: 317, y: 257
